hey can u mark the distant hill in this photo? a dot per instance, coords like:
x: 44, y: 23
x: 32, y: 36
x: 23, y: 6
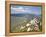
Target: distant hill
x: 21, y: 15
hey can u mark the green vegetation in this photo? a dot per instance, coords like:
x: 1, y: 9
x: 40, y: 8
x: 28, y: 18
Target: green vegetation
x: 18, y: 24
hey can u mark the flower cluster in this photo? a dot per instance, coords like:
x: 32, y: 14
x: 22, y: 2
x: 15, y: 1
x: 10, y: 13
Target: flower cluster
x: 31, y: 26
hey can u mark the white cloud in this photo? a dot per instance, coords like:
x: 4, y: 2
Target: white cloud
x: 19, y: 10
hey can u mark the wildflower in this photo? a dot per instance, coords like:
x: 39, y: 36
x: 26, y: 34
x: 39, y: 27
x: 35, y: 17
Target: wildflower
x: 36, y: 20
x: 36, y: 28
x: 29, y: 29
x: 28, y: 24
x: 22, y: 27
x: 36, y: 25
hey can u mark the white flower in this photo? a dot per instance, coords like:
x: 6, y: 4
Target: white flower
x: 28, y: 24
x: 22, y: 27
x: 28, y: 29
x: 32, y: 22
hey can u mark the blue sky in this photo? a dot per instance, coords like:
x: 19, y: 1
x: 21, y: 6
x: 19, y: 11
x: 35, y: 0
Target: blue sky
x: 25, y: 9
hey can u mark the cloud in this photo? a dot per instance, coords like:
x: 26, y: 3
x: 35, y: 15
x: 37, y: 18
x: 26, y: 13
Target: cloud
x: 20, y: 9
x: 29, y: 10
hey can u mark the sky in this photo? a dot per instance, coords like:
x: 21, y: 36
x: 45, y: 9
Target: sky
x: 26, y: 9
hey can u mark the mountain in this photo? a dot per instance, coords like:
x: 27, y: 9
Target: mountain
x: 21, y: 15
